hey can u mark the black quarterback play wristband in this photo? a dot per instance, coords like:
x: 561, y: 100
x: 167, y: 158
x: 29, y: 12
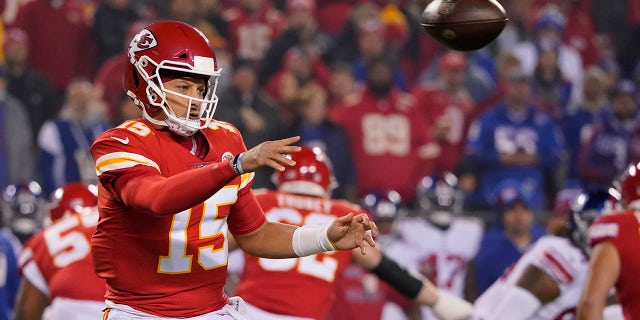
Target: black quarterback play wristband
x: 390, y: 272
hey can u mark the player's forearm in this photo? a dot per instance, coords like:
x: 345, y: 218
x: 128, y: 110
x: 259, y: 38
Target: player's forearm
x: 30, y: 302
x: 166, y: 196
x: 590, y: 310
x: 272, y: 240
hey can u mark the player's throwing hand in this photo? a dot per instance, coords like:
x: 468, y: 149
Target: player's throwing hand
x: 269, y: 153
x: 348, y: 232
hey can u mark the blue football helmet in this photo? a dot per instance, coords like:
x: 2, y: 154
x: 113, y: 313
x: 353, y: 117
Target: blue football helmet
x: 586, y: 208
x: 439, y: 199
x: 23, y: 209
x: 383, y: 206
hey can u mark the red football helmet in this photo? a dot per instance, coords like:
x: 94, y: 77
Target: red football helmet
x: 311, y: 175
x: 630, y: 186
x: 163, y: 49
x: 71, y: 197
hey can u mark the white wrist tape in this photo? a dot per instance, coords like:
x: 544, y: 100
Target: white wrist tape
x: 311, y: 240
x: 450, y: 307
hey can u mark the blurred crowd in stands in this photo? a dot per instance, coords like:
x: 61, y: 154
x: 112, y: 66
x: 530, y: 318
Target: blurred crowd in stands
x: 551, y: 106
x: 552, y: 103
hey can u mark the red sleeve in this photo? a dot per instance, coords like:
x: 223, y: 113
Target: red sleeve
x: 166, y: 196
x: 612, y: 227
x: 246, y: 215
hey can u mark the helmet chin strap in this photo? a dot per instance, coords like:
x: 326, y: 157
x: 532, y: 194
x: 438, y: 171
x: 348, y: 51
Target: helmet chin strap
x: 180, y: 128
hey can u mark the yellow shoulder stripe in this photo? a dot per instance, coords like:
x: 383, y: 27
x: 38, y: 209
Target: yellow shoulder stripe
x: 245, y: 179
x: 121, y: 160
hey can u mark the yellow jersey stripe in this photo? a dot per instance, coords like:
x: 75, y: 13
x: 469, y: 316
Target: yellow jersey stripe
x: 121, y: 160
x: 245, y: 179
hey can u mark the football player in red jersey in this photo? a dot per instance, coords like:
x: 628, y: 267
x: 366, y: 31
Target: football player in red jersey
x: 56, y: 262
x: 306, y: 285
x: 615, y: 258
x: 175, y: 182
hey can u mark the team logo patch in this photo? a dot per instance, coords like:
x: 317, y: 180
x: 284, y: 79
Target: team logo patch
x: 143, y: 41
x: 447, y: 6
x: 227, y: 156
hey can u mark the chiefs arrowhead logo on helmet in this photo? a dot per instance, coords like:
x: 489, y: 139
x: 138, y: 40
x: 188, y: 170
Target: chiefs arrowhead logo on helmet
x: 143, y: 41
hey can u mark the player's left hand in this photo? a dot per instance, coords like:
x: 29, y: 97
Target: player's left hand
x: 352, y: 231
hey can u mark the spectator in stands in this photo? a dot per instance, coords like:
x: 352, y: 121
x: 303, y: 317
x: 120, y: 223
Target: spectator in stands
x: 478, y: 80
x: 550, y: 26
x: 515, y: 140
x: 344, y: 48
x: 342, y: 86
x: 386, y: 130
x: 299, y: 71
x: 27, y: 84
x: 550, y: 88
x: 606, y: 152
x: 580, y: 32
x: 506, y: 61
x: 108, y: 79
x: 253, y: 25
x: 244, y: 105
x: 512, y: 233
x: 578, y: 123
x: 517, y: 28
x: 316, y: 130
x: 17, y: 151
x: 301, y: 32
x: 371, y: 42
x: 63, y: 30
x: 111, y: 23
x: 448, y: 109
x: 64, y: 141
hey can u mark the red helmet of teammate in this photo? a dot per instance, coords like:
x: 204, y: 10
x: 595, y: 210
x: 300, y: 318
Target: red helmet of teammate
x: 630, y: 186
x: 311, y: 175
x: 167, y: 50
x: 68, y: 198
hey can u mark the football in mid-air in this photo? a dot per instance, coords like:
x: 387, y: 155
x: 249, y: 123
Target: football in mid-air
x: 464, y: 25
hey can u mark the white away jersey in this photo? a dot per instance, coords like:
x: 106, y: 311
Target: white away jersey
x: 440, y: 255
x: 561, y: 260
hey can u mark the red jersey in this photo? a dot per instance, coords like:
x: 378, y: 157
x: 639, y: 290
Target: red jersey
x: 457, y: 113
x: 253, y: 32
x: 57, y: 259
x: 361, y: 295
x: 168, y: 265
x: 387, y: 137
x: 622, y: 229
x: 305, y: 286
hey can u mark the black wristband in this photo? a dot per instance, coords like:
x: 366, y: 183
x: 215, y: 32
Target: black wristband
x: 399, y: 278
x: 235, y: 165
